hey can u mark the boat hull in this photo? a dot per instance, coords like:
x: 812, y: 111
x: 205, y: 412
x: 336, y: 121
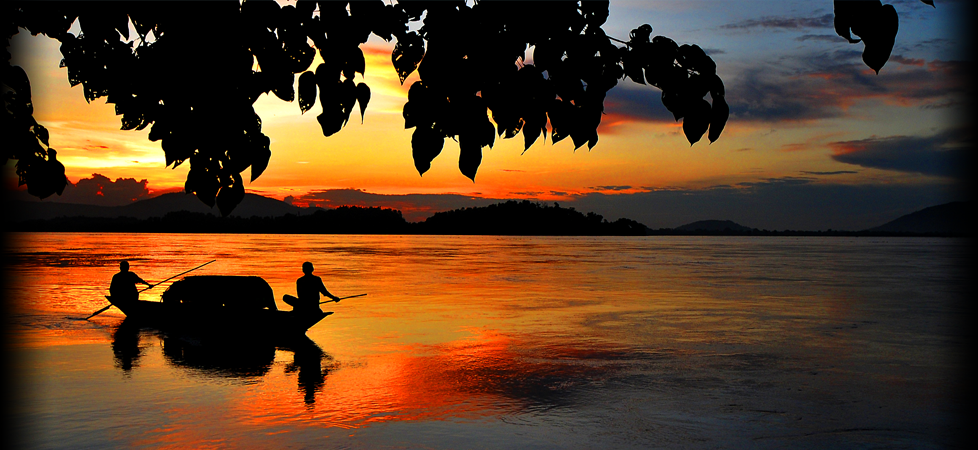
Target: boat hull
x: 219, y: 320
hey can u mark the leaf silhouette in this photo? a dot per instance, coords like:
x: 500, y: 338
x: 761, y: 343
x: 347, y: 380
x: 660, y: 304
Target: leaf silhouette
x: 426, y: 144
x: 307, y: 91
x: 177, y: 150
x: 331, y: 121
x: 470, y: 155
x: 363, y: 97
x: 535, y: 125
x: 284, y: 87
x: 41, y: 133
x: 347, y: 95
x: 874, y: 22
x: 261, y: 156
x: 407, y: 54
x: 230, y: 195
x: 880, y: 37
x: 202, y: 182
x: 692, y: 57
x: 354, y: 63
x: 696, y: 120
x: 719, y: 113
x: 479, y: 51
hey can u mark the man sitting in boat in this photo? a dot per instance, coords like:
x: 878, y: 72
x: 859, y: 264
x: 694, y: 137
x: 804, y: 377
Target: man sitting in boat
x: 123, y: 287
x: 308, y: 287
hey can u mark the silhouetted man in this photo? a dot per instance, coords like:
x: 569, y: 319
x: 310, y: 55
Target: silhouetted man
x: 308, y: 288
x: 123, y: 287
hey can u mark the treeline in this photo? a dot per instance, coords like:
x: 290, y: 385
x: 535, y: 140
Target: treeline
x: 527, y: 218
x: 509, y: 218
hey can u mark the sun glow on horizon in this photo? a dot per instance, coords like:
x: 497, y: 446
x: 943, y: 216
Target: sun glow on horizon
x: 790, y: 111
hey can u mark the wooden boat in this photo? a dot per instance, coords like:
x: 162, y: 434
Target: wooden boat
x: 218, y: 305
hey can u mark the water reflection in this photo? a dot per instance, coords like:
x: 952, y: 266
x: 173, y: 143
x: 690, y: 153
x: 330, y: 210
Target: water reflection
x: 509, y: 343
x: 224, y: 358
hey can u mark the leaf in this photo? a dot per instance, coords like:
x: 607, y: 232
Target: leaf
x: 202, y: 184
x: 719, y: 113
x: 640, y: 34
x: 696, y: 120
x: 535, y: 124
x: 693, y: 57
x: 176, y: 149
x: 633, y: 66
x: 42, y: 134
x: 845, y: 12
x: 560, y: 120
x: 407, y: 54
x: 348, y: 97
x: 363, y: 97
x: 260, y: 157
x: 307, y: 91
x: 674, y: 103
x: 331, y: 121
x: 880, y: 37
x: 354, y: 63
x: 585, y: 128
x: 470, y: 155
x: 716, y: 86
x: 426, y: 144
x: 595, y: 13
x: 133, y: 120
x: 230, y: 196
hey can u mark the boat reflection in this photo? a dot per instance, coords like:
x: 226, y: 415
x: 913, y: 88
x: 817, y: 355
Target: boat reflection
x: 220, y: 358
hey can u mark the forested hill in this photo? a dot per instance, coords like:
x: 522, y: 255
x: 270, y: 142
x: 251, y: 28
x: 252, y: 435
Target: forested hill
x: 509, y: 218
x: 527, y: 218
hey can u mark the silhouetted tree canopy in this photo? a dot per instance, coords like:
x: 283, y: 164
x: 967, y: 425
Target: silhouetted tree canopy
x: 189, y: 74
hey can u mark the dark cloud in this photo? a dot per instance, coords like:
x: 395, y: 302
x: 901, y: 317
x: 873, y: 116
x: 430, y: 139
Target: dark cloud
x: 775, y: 204
x: 785, y: 23
x: 611, y: 188
x: 946, y: 154
x: 97, y: 190
x: 900, y: 59
x: 834, y: 38
x: 824, y: 85
x: 814, y: 86
x: 634, y: 102
x: 836, y: 172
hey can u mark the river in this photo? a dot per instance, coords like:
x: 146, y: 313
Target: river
x: 502, y: 342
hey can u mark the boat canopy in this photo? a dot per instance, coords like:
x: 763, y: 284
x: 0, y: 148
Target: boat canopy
x: 237, y: 292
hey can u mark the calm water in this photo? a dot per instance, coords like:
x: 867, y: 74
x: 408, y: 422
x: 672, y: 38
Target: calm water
x: 503, y: 342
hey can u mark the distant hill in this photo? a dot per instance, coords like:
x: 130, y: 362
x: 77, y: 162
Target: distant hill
x: 712, y: 225
x: 949, y: 218
x: 509, y: 218
x: 251, y: 205
x: 528, y: 219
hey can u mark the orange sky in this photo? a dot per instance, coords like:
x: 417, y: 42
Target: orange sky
x: 639, y: 151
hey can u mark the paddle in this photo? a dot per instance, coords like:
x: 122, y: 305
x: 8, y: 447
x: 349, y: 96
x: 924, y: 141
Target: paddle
x: 153, y: 286
x: 343, y: 298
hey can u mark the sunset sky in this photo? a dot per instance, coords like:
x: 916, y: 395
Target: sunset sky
x: 816, y: 140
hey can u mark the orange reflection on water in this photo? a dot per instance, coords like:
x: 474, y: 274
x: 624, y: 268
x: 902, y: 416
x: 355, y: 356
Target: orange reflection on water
x: 481, y: 376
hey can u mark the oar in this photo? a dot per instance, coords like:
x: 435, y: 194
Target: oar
x: 343, y: 298
x: 153, y: 286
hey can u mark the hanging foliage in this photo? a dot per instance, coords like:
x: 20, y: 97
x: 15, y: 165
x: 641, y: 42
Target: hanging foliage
x: 193, y: 77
